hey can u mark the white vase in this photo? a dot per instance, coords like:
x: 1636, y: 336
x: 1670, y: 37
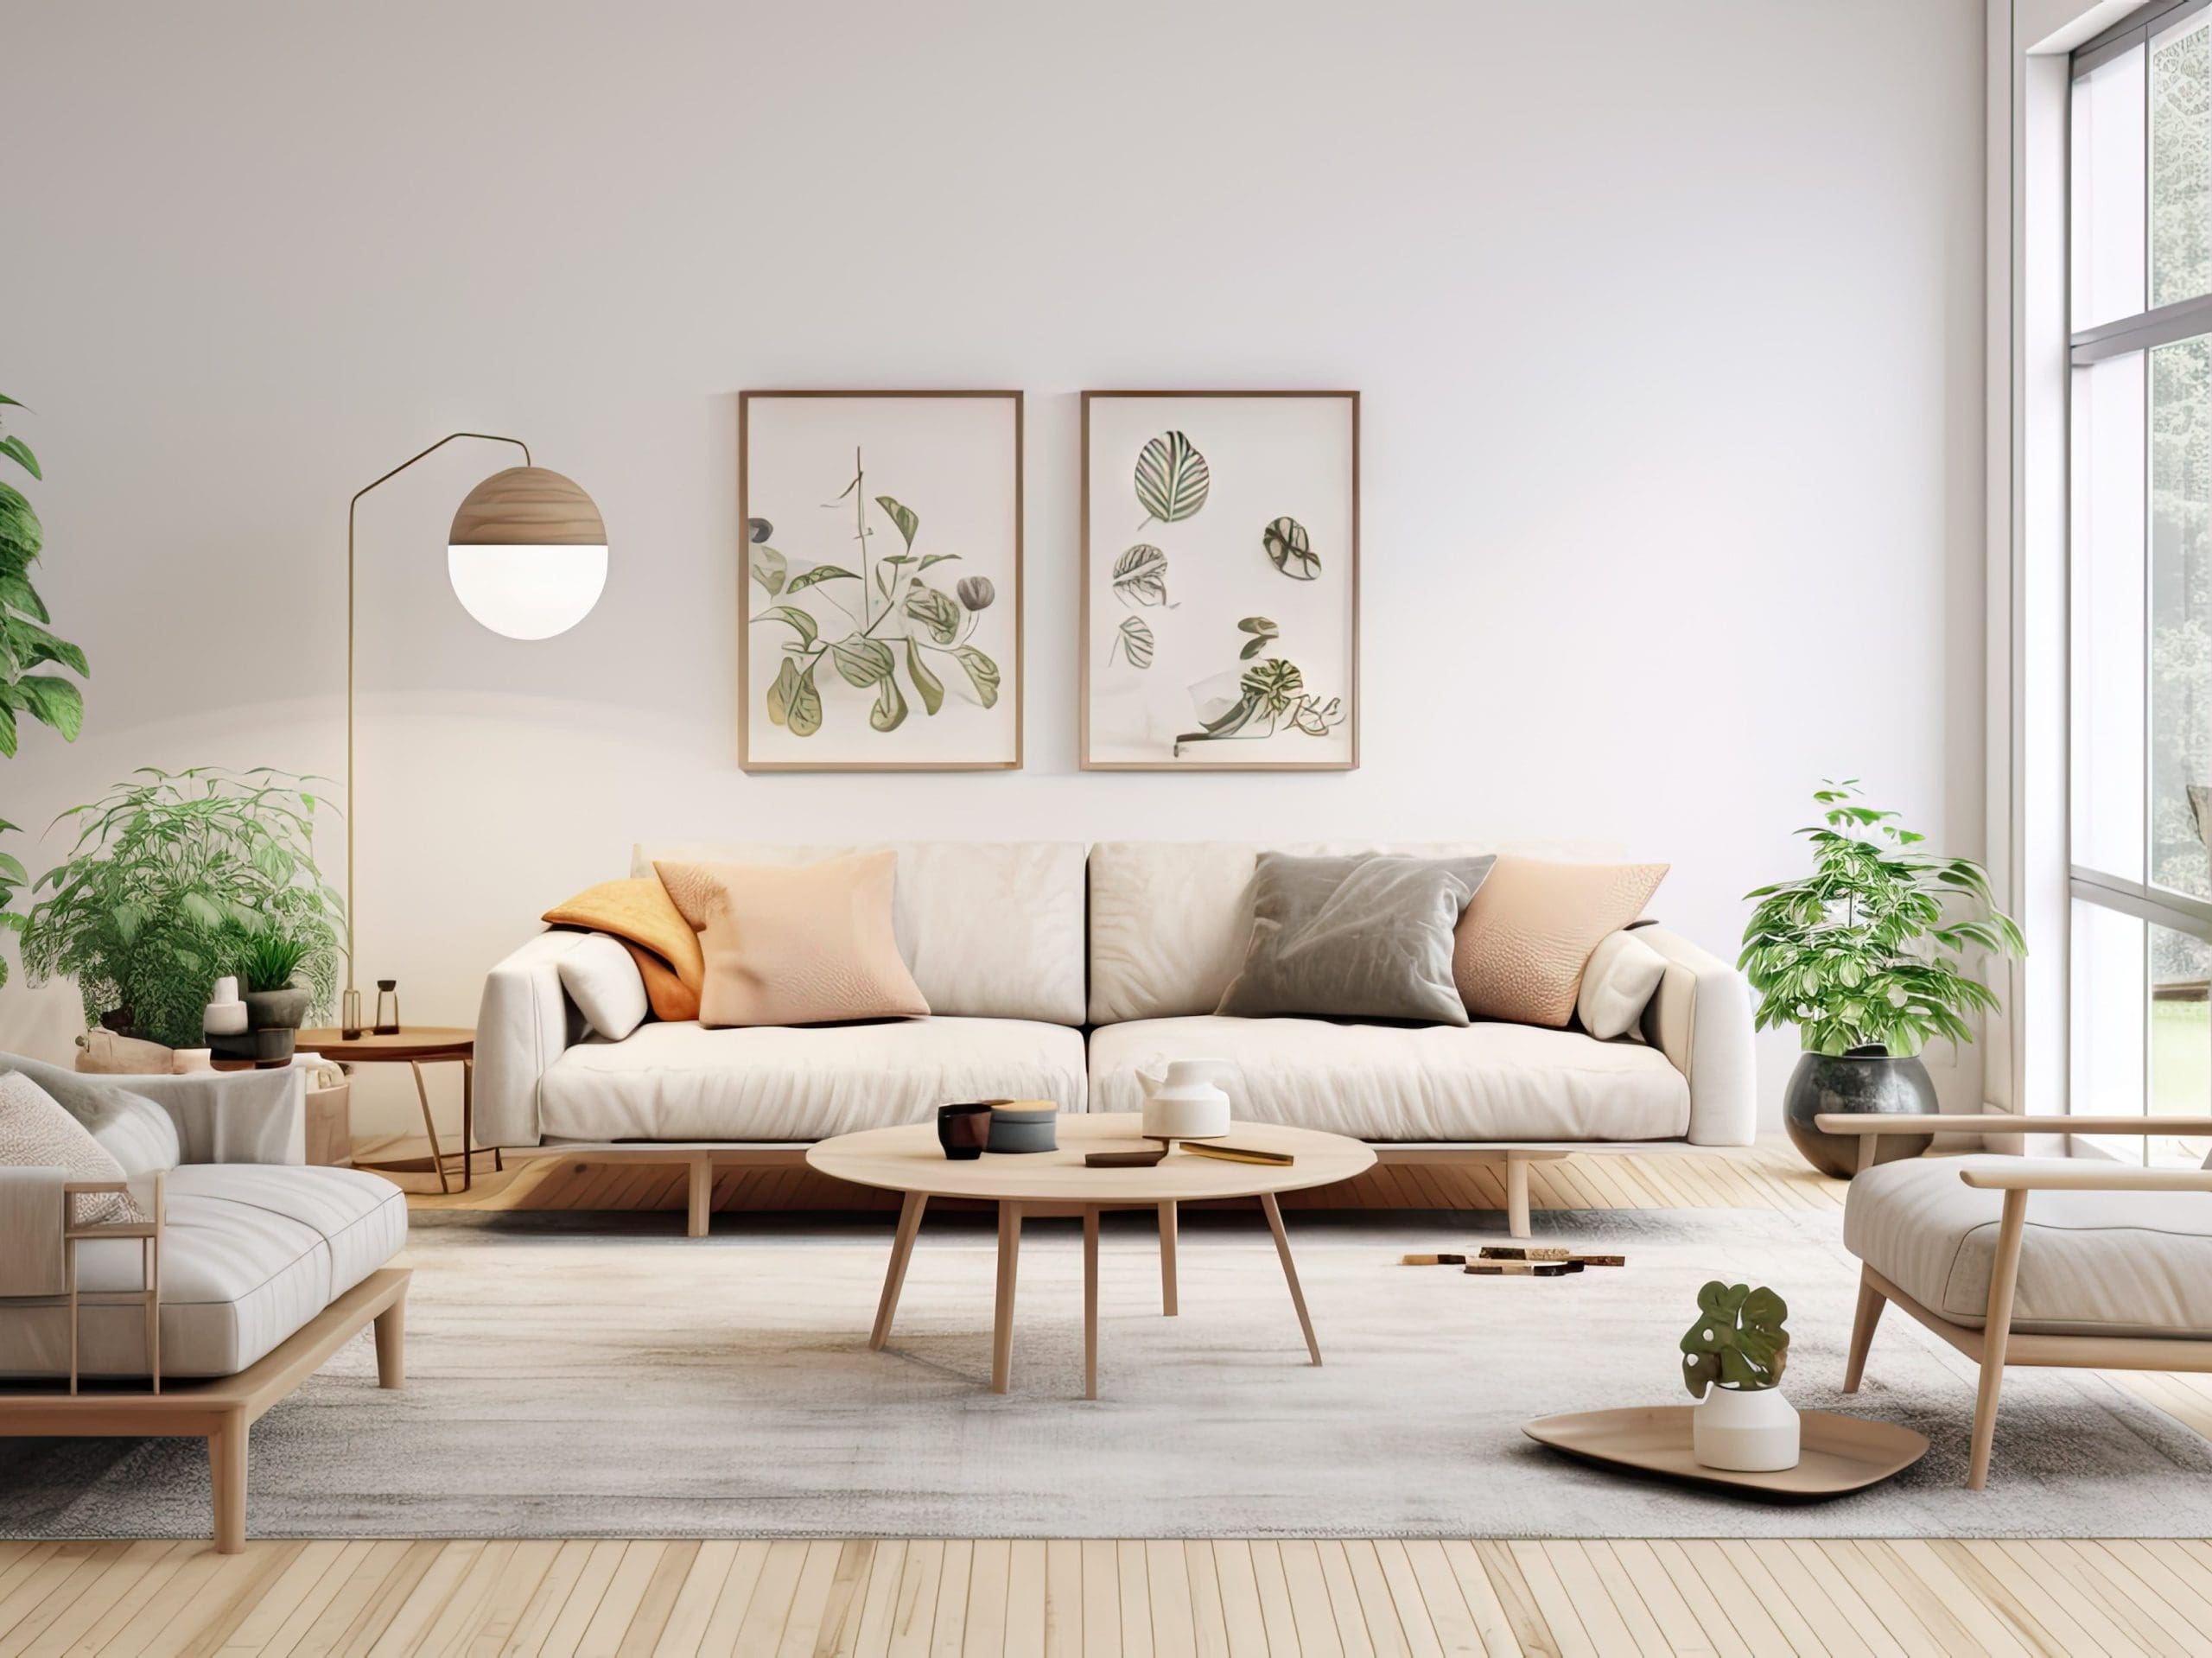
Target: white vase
x: 225, y: 1013
x: 1745, y: 1430
x: 1183, y: 1099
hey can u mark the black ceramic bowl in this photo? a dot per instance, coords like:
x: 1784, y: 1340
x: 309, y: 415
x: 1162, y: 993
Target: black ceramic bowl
x: 961, y: 1129
x: 1025, y: 1130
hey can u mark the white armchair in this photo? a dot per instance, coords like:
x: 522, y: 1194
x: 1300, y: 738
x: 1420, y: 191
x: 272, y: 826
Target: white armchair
x: 2111, y: 1268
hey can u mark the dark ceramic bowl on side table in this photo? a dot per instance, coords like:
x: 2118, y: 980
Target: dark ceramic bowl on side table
x: 962, y: 1129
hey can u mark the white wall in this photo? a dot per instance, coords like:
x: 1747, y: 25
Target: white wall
x: 1668, y: 319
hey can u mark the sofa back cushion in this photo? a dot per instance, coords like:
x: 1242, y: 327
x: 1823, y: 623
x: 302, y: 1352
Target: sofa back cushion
x: 990, y: 929
x: 1170, y: 919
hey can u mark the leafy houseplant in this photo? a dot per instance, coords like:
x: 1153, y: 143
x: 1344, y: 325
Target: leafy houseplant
x: 174, y: 877
x: 1864, y: 956
x: 1732, y: 1359
x: 25, y: 647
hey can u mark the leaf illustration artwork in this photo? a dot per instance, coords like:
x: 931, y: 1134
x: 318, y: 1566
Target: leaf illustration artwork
x: 1140, y: 576
x: 1172, y: 478
x: 1134, y: 642
x: 819, y: 573
x: 904, y: 517
x: 769, y: 569
x: 934, y: 611
x: 1290, y: 549
x: 1264, y: 632
x: 982, y: 673
x: 862, y: 661
x: 1274, y: 683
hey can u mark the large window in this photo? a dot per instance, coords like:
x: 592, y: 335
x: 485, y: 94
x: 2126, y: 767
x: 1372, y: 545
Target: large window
x: 2140, y: 684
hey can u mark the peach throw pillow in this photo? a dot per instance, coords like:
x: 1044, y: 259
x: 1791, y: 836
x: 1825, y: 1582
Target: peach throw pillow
x: 795, y: 943
x: 1519, y: 949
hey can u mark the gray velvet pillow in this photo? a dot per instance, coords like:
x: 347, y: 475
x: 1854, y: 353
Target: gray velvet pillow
x: 1368, y: 937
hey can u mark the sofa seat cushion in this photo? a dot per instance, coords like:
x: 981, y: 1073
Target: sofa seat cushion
x: 2107, y: 1263
x: 1482, y: 1082
x: 360, y: 1218
x: 680, y: 1081
x: 251, y: 1251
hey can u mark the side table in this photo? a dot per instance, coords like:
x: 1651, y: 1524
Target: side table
x: 418, y: 1045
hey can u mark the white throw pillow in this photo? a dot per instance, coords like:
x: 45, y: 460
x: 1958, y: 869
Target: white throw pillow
x: 604, y: 983
x: 35, y: 1133
x: 1620, y: 979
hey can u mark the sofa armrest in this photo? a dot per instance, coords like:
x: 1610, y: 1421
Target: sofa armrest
x: 525, y: 1023
x: 235, y: 1116
x: 1700, y: 1019
x: 32, y: 1260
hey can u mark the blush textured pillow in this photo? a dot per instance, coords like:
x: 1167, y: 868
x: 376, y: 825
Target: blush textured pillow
x: 796, y: 944
x: 1522, y: 944
x: 1360, y: 937
x: 35, y: 1133
x: 1617, y: 984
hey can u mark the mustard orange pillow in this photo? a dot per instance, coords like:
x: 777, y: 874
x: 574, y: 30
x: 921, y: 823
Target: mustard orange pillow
x: 795, y: 943
x: 1519, y: 949
x: 641, y: 916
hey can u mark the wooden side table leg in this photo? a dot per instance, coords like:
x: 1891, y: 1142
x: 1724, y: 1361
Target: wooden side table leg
x: 1090, y: 1303
x: 226, y: 1463
x: 1002, y: 1323
x: 1167, y: 1261
x: 894, y: 1278
x: 1289, y: 1272
x: 467, y: 1124
x: 429, y: 1124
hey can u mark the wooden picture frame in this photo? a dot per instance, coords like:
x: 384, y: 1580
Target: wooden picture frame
x: 1296, y: 710
x: 941, y: 667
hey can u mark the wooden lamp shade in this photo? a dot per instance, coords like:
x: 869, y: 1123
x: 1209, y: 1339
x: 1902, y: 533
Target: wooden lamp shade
x: 527, y: 555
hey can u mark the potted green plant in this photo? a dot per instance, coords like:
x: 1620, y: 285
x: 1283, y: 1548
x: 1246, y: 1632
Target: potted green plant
x: 275, y: 1004
x: 28, y: 651
x: 1732, y: 1359
x: 1864, y: 955
x: 170, y: 872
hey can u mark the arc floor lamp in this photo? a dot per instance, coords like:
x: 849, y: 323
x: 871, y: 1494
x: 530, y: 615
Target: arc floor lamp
x: 527, y: 558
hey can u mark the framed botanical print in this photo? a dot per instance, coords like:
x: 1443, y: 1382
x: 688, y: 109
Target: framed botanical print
x: 1220, y: 580
x: 879, y: 625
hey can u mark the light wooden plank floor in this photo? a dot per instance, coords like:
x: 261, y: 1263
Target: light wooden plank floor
x: 1322, y: 1599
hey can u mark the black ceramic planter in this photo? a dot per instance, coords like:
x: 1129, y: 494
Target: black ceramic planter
x: 1863, y: 1081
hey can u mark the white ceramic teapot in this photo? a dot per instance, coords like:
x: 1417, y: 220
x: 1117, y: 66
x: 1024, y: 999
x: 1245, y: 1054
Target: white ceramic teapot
x: 1184, y: 1099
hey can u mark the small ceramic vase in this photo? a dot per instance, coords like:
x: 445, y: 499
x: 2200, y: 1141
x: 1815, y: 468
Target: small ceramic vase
x: 1745, y: 1430
x: 962, y: 1129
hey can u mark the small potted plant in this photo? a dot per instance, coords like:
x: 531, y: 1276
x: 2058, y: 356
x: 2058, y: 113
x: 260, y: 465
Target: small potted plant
x: 275, y: 1006
x: 1864, y: 955
x: 1732, y: 1359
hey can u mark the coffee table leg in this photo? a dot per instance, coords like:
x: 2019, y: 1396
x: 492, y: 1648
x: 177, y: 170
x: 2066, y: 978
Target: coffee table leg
x: 1002, y: 1325
x: 1289, y: 1272
x: 1090, y: 1303
x: 894, y: 1279
x: 1167, y: 1261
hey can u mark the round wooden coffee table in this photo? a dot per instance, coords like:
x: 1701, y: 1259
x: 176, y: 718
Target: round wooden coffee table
x: 908, y: 1159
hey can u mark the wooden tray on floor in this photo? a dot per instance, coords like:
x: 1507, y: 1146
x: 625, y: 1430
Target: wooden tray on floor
x: 1840, y: 1454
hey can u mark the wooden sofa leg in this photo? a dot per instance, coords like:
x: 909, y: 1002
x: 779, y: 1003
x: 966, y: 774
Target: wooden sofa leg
x: 392, y: 1345
x: 1997, y: 1333
x: 1516, y: 1196
x: 1870, y: 1303
x: 702, y: 1186
x: 226, y: 1463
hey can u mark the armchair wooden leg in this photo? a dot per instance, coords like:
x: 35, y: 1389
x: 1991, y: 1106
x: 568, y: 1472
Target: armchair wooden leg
x: 1870, y: 1303
x: 1996, y: 1334
x: 226, y: 1464
x: 392, y: 1345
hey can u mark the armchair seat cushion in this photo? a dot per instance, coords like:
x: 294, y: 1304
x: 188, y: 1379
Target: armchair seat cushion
x: 681, y: 1081
x: 2104, y: 1263
x: 249, y: 1253
x: 1480, y: 1082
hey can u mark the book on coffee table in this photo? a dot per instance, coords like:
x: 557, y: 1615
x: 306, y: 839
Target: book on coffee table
x: 1229, y: 1153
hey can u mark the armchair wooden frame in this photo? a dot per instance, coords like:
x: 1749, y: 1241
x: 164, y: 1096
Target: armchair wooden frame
x: 1996, y: 1346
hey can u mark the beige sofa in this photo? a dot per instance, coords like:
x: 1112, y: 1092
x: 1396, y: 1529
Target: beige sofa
x: 1054, y: 971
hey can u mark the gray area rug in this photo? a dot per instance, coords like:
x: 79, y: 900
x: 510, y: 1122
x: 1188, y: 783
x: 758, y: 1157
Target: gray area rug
x: 594, y: 1376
